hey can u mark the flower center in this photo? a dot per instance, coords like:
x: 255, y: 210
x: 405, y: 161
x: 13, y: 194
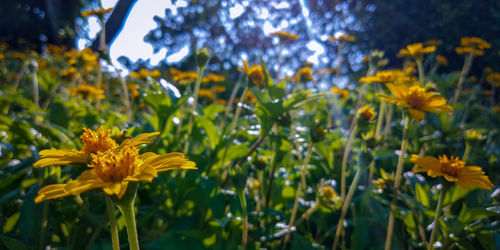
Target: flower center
x: 116, y: 165
x: 416, y: 97
x: 451, y: 166
x: 97, y: 141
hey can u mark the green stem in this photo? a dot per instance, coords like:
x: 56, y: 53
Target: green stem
x: 380, y: 118
x: 300, y: 189
x: 436, y: 216
x: 466, y: 152
x: 193, y: 107
x: 463, y: 74
x: 345, y: 206
x: 110, y: 209
x: 420, y: 70
x: 127, y: 209
x: 397, y: 180
x: 345, y: 157
x: 244, y: 235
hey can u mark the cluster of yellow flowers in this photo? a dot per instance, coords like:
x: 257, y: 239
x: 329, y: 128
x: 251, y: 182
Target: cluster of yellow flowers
x: 211, y: 77
x: 145, y: 73
x: 388, y: 76
x: 87, y: 92
x: 474, y: 45
x: 183, y: 78
x: 111, y: 167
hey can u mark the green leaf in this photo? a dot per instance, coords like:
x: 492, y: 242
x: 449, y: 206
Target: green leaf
x: 13, y: 243
x: 210, y: 130
x: 11, y: 222
x: 288, y: 192
x: 422, y: 195
x: 467, y: 216
x: 454, y: 194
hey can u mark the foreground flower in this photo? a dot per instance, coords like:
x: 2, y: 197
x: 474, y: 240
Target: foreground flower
x: 417, y: 100
x: 453, y: 170
x: 93, y: 143
x: 255, y: 73
x: 113, y: 170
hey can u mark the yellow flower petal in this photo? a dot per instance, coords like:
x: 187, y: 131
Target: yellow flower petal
x: 60, y: 157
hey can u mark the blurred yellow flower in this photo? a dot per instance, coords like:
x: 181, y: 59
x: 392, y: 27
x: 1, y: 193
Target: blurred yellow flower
x: 473, y: 135
x: 493, y: 79
x: 326, y: 71
x: 442, y: 60
x: 222, y: 102
x: 211, y: 77
x: 474, y: 42
x: 344, y: 93
x: 327, y: 194
x: 249, y: 96
x: 472, y: 79
x: 183, y: 78
x: 495, y: 109
x: 285, y: 36
x: 87, y: 92
x: 219, y: 89
x: 416, y: 100
x: 99, y: 12
x: 416, y: 49
x: 388, y: 76
x: 93, y: 142
x: 433, y: 42
x: 144, y: 73
x: 207, y: 93
x: 113, y: 170
x: 367, y: 112
x: 453, y: 170
x: 342, y: 38
x: 468, y: 50
x: 256, y: 73
x: 303, y: 74
x: 133, y: 88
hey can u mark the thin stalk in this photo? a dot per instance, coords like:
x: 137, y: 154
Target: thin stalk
x: 345, y: 158
x: 309, y: 212
x: 388, y: 120
x: 380, y: 118
x: 127, y: 209
x: 19, y: 76
x: 45, y: 215
x: 229, y: 105
x: 463, y: 74
x: 98, y: 85
x: 300, y: 189
x: 126, y: 98
x: 110, y: 209
x: 345, y: 206
x: 397, y: 180
x: 193, y: 107
x: 420, y: 70
x: 244, y: 234
x: 465, y: 156
x: 436, y: 216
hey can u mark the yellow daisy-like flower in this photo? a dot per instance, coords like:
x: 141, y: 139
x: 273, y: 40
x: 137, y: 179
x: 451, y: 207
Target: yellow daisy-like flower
x: 98, y: 12
x: 207, y: 93
x: 304, y: 74
x: 93, y: 143
x: 493, y: 79
x: 416, y: 100
x: 367, y: 112
x: 474, y: 42
x: 388, y: 76
x: 87, y: 92
x: 113, y: 170
x: 285, y: 36
x: 211, y: 77
x: 183, y: 78
x: 342, y: 38
x: 453, y: 170
x: 256, y: 73
x: 133, y: 88
x: 416, y: 49
x: 468, y: 50
x: 344, y: 93
x: 145, y: 73
x: 442, y: 60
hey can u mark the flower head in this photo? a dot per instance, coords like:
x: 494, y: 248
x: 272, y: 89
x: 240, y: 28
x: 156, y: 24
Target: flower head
x: 417, y: 100
x: 87, y: 92
x: 93, y: 142
x: 303, y: 74
x: 99, y: 12
x: 367, y: 112
x: 342, y: 38
x: 416, y: 49
x: 388, y: 76
x: 453, y: 170
x: 442, y: 60
x: 183, y: 78
x: 211, y: 77
x: 473, y: 135
x: 285, y: 36
x: 144, y: 73
x: 493, y: 79
x: 113, y: 170
x: 344, y: 93
x: 255, y: 73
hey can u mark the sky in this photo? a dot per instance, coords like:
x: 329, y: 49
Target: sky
x: 130, y: 43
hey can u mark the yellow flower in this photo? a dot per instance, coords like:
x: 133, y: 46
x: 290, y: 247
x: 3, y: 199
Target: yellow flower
x: 87, y: 92
x: 453, y: 170
x: 473, y: 79
x: 342, y: 38
x: 93, y: 142
x: 327, y: 194
x: 285, y: 36
x: 416, y: 99
x: 416, y: 49
x: 493, y: 79
x: 219, y: 89
x: 99, y: 12
x: 388, y: 76
x: 256, y: 73
x: 468, y: 50
x: 211, y: 77
x: 474, y: 42
x: 183, y: 78
x: 433, y: 42
x: 132, y: 87
x: 113, y: 170
x: 144, y: 73
x: 344, y: 93
x: 495, y: 109
x: 367, y: 112
x: 326, y: 71
x: 249, y: 96
x: 222, y: 102
x: 208, y: 93
x: 303, y: 74
x: 442, y: 60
